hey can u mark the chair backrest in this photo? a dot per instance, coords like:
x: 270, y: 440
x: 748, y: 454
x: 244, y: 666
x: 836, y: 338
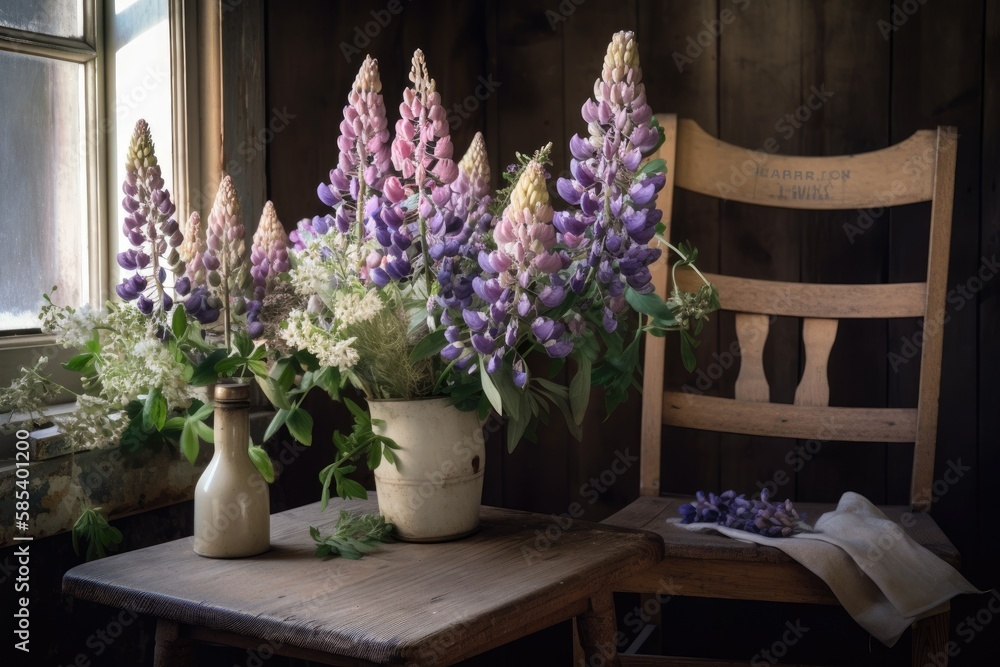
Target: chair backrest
x: 919, y: 169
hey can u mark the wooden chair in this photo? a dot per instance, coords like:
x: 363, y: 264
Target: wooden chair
x: 921, y: 168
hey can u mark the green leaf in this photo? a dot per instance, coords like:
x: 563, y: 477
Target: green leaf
x: 205, y: 373
x: 428, y: 346
x: 328, y: 379
x: 579, y: 391
x: 360, y: 415
x: 154, y: 411
x: 489, y: 388
x: 348, y: 488
x: 243, y: 344
x: 517, y: 425
x: 654, y: 166
x: 277, y: 422
x: 300, y: 424
x: 80, y: 362
x: 688, y: 357
x: 202, y: 413
x: 204, y: 431
x: 649, y: 304
x: 189, y: 441
x: 179, y: 322
x: 257, y: 367
x: 263, y: 462
x: 228, y: 365
x: 273, y: 391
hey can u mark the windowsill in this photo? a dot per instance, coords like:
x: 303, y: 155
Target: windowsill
x: 63, y: 482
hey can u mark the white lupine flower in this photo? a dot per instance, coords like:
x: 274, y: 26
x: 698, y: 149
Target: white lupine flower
x: 330, y: 349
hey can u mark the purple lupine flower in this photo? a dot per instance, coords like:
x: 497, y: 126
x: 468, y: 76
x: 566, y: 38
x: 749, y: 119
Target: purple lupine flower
x: 269, y: 253
x: 616, y: 215
x: 149, y: 227
x: 268, y: 258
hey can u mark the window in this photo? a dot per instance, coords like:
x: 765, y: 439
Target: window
x: 50, y: 223
x: 75, y: 77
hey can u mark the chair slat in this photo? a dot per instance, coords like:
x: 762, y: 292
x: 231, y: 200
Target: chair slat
x: 771, y: 297
x: 899, y: 174
x: 817, y: 337
x: 751, y: 332
x: 780, y: 420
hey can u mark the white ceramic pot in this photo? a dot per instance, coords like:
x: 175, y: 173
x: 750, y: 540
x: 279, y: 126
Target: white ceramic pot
x: 232, y: 514
x: 434, y: 492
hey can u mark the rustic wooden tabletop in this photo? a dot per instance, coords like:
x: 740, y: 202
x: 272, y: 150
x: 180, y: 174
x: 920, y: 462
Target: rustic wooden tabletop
x: 405, y: 604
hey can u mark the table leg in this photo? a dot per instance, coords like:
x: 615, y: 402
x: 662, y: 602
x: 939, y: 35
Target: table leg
x: 597, y: 631
x: 172, y: 649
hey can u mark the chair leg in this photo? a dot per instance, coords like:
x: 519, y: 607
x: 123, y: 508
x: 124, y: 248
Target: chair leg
x: 579, y: 659
x: 930, y: 640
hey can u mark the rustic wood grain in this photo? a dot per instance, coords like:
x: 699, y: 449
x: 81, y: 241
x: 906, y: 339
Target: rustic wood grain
x: 448, y: 601
x: 751, y: 332
x: 784, y: 420
x: 243, y: 116
x: 876, y: 178
x: 788, y: 299
x: 818, y: 336
x: 655, y: 347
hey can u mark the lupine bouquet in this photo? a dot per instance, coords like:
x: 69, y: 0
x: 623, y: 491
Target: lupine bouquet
x: 420, y: 282
x: 144, y: 359
x: 753, y: 515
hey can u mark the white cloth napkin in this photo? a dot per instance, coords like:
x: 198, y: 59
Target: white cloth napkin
x: 883, y: 578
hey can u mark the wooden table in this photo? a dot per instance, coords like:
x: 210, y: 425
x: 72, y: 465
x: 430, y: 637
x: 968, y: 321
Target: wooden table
x: 407, y: 604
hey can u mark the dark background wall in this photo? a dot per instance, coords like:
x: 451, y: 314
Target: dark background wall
x: 747, y: 71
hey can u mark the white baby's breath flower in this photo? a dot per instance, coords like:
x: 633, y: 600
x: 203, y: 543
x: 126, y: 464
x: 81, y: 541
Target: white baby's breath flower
x: 72, y: 327
x: 330, y: 349
x: 351, y: 309
x: 310, y: 275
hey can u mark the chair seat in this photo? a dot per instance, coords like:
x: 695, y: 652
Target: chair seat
x: 712, y: 565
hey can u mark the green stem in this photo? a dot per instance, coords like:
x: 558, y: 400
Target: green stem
x: 683, y: 257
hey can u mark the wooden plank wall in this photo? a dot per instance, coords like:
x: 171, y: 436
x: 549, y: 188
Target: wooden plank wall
x: 873, y: 73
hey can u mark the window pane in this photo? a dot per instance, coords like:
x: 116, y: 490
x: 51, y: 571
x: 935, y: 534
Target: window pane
x: 63, y: 18
x: 42, y: 186
x: 138, y: 56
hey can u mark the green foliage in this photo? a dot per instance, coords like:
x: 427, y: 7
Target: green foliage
x: 362, y: 443
x: 354, y: 536
x: 94, y: 530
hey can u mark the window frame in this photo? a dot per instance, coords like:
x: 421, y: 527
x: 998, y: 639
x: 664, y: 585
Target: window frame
x: 194, y: 64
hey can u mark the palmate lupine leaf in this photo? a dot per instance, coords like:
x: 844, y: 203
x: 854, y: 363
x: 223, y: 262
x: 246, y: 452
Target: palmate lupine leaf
x: 354, y: 536
x: 94, y: 530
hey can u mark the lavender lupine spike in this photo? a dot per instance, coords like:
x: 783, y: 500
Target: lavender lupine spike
x: 226, y: 260
x: 364, y: 159
x: 268, y: 258
x: 149, y: 227
x: 617, y: 215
